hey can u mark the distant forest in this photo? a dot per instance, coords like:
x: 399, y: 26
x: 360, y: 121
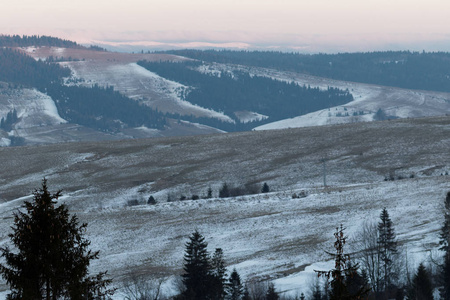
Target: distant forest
x: 405, y: 69
x: 99, y: 108
x: 40, y: 41
x: 102, y: 108
x: 238, y: 91
x: 19, y: 68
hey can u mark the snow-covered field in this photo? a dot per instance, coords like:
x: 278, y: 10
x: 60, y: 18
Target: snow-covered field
x: 270, y: 236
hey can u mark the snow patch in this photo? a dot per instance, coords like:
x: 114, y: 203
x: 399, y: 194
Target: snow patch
x: 249, y: 116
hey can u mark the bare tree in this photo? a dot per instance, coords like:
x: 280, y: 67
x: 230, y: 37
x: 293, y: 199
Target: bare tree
x: 137, y: 287
x: 369, y: 253
x: 257, y: 289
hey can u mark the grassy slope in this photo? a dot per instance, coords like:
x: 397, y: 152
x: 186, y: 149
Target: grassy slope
x: 261, y: 235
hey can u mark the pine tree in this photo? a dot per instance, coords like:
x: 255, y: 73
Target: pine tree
x: 234, y: 287
x: 265, y: 188
x: 421, y: 288
x: 218, y: 272
x: 196, y: 277
x: 53, y: 257
x: 388, y: 250
x: 272, y: 293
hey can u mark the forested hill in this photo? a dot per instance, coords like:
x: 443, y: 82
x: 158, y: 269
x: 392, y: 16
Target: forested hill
x: 404, y: 69
x: 40, y: 41
x: 236, y: 91
x: 21, y: 69
x: 95, y: 107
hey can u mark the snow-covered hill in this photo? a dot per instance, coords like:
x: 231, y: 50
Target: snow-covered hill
x: 40, y: 122
x: 269, y: 235
x: 368, y: 98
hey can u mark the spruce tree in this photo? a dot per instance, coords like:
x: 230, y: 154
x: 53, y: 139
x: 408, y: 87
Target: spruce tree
x: 218, y: 272
x: 196, y: 277
x: 234, y: 287
x: 421, y: 287
x: 388, y: 250
x: 272, y: 293
x: 53, y: 257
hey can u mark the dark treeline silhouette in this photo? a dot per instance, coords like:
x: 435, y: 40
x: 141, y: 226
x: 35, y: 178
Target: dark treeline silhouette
x: 103, y: 108
x: 405, y: 69
x: 40, y: 41
x: 239, y: 91
x: 21, y: 69
x: 11, y: 118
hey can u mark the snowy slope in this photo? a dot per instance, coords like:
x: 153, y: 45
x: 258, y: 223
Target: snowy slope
x: 270, y: 235
x: 142, y: 85
x: 368, y: 99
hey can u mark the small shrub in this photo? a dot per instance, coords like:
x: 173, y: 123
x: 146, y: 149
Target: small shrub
x: 195, y: 197
x: 265, y: 188
x: 151, y: 200
x: 224, y: 191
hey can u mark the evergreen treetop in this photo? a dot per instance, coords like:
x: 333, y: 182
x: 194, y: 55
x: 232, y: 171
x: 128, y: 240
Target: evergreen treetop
x: 53, y: 257
x: 196, y: 268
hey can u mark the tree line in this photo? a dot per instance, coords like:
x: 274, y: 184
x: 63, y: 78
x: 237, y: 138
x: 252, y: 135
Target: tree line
x: 405, y: 69
x: 40, y: 41
x: 239, y: 91
x: 103, y: 108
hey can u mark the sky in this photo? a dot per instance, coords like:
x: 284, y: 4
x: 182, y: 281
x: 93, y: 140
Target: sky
x: 300, y: 25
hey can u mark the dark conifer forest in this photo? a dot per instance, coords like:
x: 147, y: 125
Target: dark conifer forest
x: 237, y: 91
x: 98, y: 108
x: 40, y: 41
x: 405, y: 69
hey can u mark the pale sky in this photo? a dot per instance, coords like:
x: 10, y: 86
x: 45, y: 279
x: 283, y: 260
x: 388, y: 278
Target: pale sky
x: 309, y: 25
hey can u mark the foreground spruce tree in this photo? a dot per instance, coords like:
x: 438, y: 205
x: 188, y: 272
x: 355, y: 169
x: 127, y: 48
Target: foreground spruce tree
x: 53, y: 257
x: 421, y: 287
x: 197, y: 276
x: 388, y: 250
x: 218, y: 275
x: 234, y: 287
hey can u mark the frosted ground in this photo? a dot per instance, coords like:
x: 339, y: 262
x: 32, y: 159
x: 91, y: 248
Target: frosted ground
x: 268, y: 236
